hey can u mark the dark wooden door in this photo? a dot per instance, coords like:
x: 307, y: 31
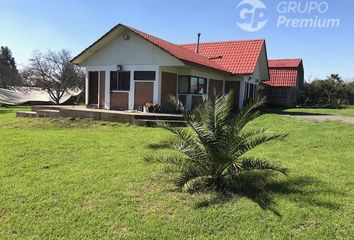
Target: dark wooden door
x: 235, y: 87
x: 102, y: 88
x: 215, y: 87
x: 93, y: 87
x: 168, y: 87
x: 143, y: 94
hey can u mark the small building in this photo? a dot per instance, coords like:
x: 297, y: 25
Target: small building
x: 127, y: 68
x: 286, y: 79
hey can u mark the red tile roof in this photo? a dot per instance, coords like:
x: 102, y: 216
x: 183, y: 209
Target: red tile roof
x: 283, y: 72
x: 281, y: 63
x: 238, y: 57
x: 235, y: 57
x: 180, y: 52
x: 282, y: 78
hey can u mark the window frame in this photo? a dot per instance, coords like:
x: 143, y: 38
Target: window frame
x: 115, y: 80
x: 190, y: 82
x: 148, y: 79
x: 118, y: 81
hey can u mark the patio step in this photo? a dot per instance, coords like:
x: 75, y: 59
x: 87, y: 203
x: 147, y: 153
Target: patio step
x: 36, y: 108
x: 48, y: 113
x: 153, y: 123
x: 26, y: 114
x: 161, y: 117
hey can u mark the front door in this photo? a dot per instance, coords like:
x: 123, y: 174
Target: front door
x: 168, y: 87
x: 93, y: 88
x: 143, y: 94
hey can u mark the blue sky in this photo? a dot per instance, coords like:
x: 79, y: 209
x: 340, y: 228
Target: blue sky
x: 74, y: 24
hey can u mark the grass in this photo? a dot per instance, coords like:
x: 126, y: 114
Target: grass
x: 62, y: 179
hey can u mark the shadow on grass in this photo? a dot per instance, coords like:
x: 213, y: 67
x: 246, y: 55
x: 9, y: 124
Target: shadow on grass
x: 263, y: 189
x: 162, y: 144
x: 3, y: 111
x: 280, y: 111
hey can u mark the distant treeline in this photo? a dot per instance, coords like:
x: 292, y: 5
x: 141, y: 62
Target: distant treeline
x: 332, y: 92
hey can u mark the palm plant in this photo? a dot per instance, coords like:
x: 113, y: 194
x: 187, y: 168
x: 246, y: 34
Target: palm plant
x: 214, y: 144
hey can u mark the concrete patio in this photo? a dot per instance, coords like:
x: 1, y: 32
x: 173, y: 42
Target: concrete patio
x: 79, y: 112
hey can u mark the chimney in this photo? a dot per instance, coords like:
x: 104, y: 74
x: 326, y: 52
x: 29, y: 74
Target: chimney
x: 197, y: 49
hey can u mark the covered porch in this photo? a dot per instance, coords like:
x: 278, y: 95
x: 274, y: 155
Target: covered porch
x: 131, y: 87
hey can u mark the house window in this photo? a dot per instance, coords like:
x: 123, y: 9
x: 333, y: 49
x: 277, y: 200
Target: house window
x: 192, y: 85
x: 183, y: 84
x: 145, y: 75
x: 119, y: 81
x: 113, y: 80
x: 251, y: 95
x: 246, y: 90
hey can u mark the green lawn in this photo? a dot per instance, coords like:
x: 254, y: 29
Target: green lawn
x: 62, y: 179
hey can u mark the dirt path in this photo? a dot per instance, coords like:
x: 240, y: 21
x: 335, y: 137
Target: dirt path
x: 323, y: 118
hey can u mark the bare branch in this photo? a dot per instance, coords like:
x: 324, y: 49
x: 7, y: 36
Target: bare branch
x: 54, y: 73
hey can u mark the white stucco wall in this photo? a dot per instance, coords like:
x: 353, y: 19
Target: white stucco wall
x: 134, y: 51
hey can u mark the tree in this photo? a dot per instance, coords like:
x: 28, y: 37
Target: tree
x: 9, y: 75
x: 332, y: 92
x: 54, y: 73
x: 214, y: 145
x: 335, y: 78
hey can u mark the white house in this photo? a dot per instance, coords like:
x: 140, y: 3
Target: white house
x: 127, y: 68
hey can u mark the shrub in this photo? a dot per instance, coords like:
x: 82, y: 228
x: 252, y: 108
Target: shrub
x: 214, y: 145
x: 329, y: 93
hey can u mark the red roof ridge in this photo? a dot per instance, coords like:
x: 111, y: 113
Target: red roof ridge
x: 285, y: 59
x: 285, y: 63
x: 137, y: 30
x: 200, y: 59
x: 226, y: 41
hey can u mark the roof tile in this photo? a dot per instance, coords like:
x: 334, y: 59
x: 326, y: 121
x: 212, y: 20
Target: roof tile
x: 238, y: 57
x: 180, y: 52
x: 283, y: 72
x: 284, y: 63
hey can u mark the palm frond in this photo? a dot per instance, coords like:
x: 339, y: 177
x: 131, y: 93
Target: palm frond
x: 213, y: 143
x: 250, y: 143
x: 177, y: 103
x: 249, y: 112
x: 173, y: 164
x: 252, y: 133
x: 252, y: 163
x: 197, y: 183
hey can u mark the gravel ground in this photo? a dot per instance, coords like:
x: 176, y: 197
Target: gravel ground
x: 323, y: 118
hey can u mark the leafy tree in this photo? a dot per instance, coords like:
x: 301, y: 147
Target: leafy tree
x: 9, y: 75
x: 213, y: 147
x: 332, y: 92
x: 54, y: 73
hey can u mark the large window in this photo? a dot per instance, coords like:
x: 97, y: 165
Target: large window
x: 250, y: 91
x: 183, y: 84
x: 145, y: 75
x: 192, y: 85
x: 119, y: 81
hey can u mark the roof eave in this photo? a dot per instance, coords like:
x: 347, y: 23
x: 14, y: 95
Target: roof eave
x: 76, y: 61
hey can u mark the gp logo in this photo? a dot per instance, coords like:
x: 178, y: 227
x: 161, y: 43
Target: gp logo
x: 251, y: 15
